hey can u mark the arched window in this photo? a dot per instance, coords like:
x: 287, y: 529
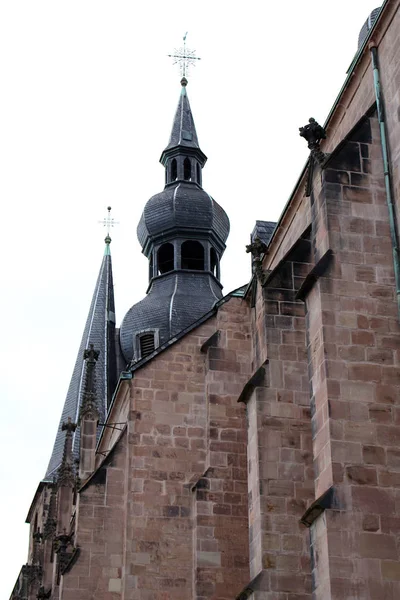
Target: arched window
x: 213, y: 261
x: 146, y: 343
x: 165, y: 258
x: 192, y: 255
x: 151, y: 266
x: 187, y: 169
x: 198, y: 173
x: 174, y: 170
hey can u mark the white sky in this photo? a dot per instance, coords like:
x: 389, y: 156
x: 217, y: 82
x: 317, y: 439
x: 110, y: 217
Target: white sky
x: 88, y: 96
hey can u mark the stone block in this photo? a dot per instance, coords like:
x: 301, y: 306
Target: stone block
x: 115, y: 585
x: 209, y: 559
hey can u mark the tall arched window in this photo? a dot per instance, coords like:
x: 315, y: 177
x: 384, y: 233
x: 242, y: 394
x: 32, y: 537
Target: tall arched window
x: 174, y: 170
x: 192, y: 255
x: 165, y: 258
x: 151, y: 266
x: 213, y: 261
x: 187, y: 169
x: 198, y: 173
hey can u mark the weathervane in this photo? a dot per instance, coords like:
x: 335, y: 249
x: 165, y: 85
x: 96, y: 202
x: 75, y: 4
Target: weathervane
x: 184, y: 57
x: 108, y: 222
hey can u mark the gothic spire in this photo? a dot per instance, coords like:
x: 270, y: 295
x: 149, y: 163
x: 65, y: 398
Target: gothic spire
x: 99, y: 331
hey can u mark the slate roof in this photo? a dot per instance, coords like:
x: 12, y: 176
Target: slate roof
x: 100, y: 331
x: 182, y: 206
x: 174, y: 302
x: 183, y: 131
x: 263, y: 230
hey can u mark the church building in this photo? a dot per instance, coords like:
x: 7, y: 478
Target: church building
x: 244, y: 446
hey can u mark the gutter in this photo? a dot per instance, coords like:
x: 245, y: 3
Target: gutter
x: 394, y: 234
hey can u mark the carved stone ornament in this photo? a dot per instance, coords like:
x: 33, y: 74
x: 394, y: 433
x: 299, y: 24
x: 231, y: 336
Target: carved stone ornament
x: 50, y: 524
x: 68, y: 426
x: 66, y: 556
x: 31, y: 573
x: 61, y: 543
x: 257, y: 248
x: 38, y: 536
x: 313, y: 133
x: 89, y: 408
x: 90, y: 354
x: 66, y: 474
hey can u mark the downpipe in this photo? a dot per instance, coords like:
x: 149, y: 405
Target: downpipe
x: 386, y: 170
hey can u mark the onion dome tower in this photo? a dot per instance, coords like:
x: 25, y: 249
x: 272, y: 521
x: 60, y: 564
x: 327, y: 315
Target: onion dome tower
x: 182, y: 232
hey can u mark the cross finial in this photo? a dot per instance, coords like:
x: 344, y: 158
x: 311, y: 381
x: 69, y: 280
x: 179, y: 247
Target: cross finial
x: 108, y: 222
x: 185, y: 58
x: 90, y: 354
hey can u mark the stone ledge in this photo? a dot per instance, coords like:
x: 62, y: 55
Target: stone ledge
x: 315, y: 273
x: 256, y: 380
x: 327, y: 500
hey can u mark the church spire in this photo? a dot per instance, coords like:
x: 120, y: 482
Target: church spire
x: 182, y: 231
x: 99, y: 331
x: 182, y: 158
x: 183, y: 131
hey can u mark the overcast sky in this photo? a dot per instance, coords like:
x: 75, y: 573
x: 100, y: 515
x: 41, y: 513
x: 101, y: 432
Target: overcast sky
x: 87, y: 101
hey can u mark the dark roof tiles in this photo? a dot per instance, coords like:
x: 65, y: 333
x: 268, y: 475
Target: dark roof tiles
x: 263, y: 230
x: 182, y: 206
x: 175, y: 300
x: 99, y: 330
x: 183, y: 131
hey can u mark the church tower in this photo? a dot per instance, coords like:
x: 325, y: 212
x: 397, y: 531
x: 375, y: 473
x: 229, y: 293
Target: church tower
x: 100, y: 331
x: 182, y: 232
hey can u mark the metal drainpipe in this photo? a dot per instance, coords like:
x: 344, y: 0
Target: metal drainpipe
x: 386, y: 170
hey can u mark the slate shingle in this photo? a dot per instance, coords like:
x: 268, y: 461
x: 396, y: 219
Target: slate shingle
x: 100, y: 331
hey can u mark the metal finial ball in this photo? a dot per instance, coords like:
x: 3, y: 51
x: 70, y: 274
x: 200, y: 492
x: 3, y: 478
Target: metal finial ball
x: 108, y: 208
x: 107, y: 239
x: 184, y: 81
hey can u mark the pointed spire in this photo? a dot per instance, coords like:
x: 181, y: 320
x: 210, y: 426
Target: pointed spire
x: 183, y: 131
x: 183, y: 142
x: 100, y: 331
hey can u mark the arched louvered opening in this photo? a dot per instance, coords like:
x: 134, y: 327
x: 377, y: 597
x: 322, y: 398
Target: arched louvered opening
x: 165, y: 258
x: 174, y: 170
x: 151, y: 266
x: 192, y: 255
x: 187, y: 169
x: 146, y: 343
x: 198, y: 174
x: 213, y: 261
